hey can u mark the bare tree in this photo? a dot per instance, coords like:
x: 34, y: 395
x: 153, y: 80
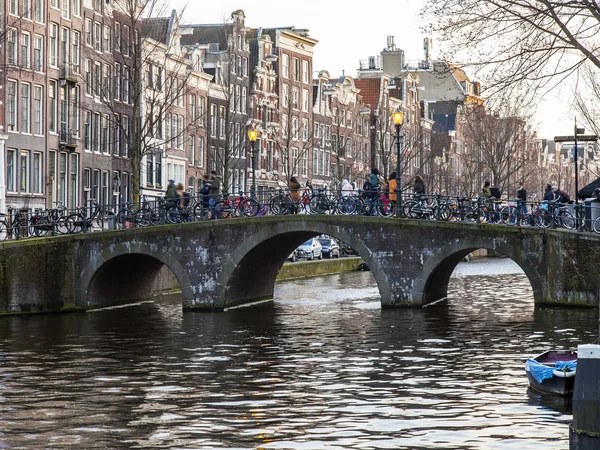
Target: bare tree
x: 149, y: 82
x: 519, y: 43
x: 496, y: 147
x: 294, y: 140
x: 341, y: 139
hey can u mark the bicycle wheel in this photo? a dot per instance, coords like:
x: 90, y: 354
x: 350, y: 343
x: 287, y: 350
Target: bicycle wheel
x: 173, y: 215
x: 200, y: 212
x: 384, y: 207
x: 3, y: 231
x: 103, y: 216
x: 76, y: 223
x: 61, y: 225
x: 567, y: 220
x: 278, y: 205
x: 319, y: 204
x: 249, y: 207
x: 39, y: 226
x: 596, y: 225
x: 346, y: 205
x: 222, y: 210
x: 543, y: 219
x: 445, y: 212
x: 409, y: 209
x: 126, y: 219
x: 508, y: 215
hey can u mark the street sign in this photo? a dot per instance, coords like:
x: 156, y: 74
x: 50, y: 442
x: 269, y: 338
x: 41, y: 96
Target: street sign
x: 580, y: 138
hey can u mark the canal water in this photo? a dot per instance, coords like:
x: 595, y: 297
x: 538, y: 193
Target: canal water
x: 321, y: 367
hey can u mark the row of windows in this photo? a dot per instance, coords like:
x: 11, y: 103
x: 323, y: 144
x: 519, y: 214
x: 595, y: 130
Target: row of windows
x: 105, y: 188
x: 107, y: 134
x: 239, y: 65
x: 294, y: 101
x: 102, y: 38
x: 24, y: 171
x: 34, y: 9
x: 296, y: 73
x: 25, y: 107
x: 101, y: 82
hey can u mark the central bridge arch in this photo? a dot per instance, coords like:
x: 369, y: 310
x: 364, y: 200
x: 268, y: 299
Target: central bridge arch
x: 251, y: 270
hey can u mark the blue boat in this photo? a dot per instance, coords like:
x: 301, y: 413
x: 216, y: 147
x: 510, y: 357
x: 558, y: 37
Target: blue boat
x: 553, y: 372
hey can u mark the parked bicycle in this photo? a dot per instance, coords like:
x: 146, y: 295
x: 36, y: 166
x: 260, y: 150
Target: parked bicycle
x: 10, y: 224
x: 50, y: 221
x: 553, y: 214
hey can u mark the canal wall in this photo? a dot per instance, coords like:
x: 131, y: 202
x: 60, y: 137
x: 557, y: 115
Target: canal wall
x: 305, y: 269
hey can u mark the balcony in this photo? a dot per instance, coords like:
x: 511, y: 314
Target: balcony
x: 68, y: 139
x: 69, y: 73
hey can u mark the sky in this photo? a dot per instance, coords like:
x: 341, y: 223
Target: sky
x: 351, y: 31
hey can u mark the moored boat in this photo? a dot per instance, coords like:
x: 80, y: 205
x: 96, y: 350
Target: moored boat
x: 553, y: 372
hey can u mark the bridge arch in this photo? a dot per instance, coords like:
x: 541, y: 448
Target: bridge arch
x: 433, y: 283
x: 261, y: 256
x: 121, y: 274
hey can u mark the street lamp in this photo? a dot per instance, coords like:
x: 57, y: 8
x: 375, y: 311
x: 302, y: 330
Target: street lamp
x: 398, y: 117
x: 252, y: 135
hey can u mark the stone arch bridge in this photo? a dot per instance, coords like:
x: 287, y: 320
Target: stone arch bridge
x: 219, y: 264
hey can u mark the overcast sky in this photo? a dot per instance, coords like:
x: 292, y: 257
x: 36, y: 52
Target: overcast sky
x: 350, y: 31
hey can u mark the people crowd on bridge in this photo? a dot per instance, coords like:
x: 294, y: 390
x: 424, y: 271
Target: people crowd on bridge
x: 378, y: 196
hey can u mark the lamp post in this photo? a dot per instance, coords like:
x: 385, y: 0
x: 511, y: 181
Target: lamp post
x: 398, y: 117
x: 252, y: 135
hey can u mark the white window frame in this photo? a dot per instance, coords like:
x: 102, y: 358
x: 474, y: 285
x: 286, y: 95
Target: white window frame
x: 36, y: 169
x: 24, y: 171
x: 11, y: 173
x: 38, y: 110
x: 25, y: 50
x: 38, y: 53
x: 12, y: 46
x: 285, y: 65
x: 53, y: 44
x: 305, y: 72
x: 39, y: 11
x: 25, y: 119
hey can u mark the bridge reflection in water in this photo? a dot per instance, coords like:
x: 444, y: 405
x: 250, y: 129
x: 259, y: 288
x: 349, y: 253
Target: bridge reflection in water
x: 321, y: 366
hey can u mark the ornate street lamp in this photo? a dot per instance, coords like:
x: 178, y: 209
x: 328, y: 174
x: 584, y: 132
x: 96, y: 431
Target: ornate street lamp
x: 398, y: 117
x: 252, y: 135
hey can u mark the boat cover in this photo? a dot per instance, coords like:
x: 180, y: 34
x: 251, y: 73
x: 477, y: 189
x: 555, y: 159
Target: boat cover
x: 540, y: 372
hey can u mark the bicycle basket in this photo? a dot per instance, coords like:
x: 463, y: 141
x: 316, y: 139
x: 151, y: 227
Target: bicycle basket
x: 544, y: 206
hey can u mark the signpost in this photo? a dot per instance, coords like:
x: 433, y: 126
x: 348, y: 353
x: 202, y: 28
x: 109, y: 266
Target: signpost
x: 580, y: 137
x: 577, y: 136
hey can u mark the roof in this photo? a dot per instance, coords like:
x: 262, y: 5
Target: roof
x: 370, y: 90
x: 588, y: 191
x: 458, y: 73
x: 156, y: 28
x: 207, y: 34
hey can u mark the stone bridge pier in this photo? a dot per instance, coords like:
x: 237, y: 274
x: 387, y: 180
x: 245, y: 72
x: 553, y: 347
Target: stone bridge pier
x: 219, y: 264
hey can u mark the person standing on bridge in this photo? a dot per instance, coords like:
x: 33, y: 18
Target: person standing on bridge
x: 294, y: 188
x: 307, y: 195
x: 171, y: 194
x: 419, y: 185
x: 548, y: 193
x: 487, y: 190
x: 371, y: 188
x: 213, y: 192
